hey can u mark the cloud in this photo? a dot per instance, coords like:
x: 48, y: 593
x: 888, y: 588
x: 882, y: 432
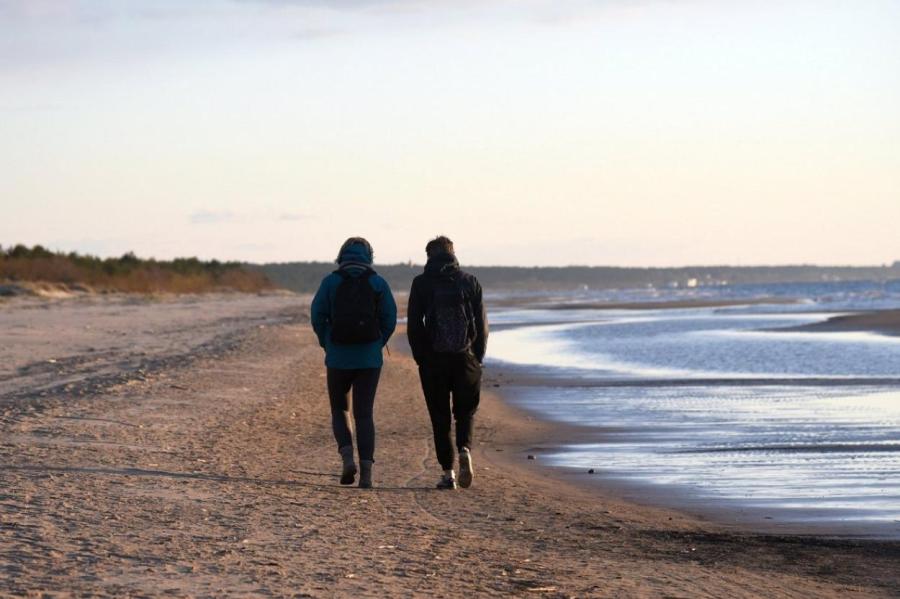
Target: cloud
x: 31, y: 107
x: 211, y: 217
x: 35, y: 8
x: 316, y: 33
x: 426, y: 8
x: 254, y: 247
x: 216, y: 217
x: 342, y: 5
x: 95, y: 246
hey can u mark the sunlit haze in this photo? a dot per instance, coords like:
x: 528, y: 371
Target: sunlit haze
x: 534, y: 132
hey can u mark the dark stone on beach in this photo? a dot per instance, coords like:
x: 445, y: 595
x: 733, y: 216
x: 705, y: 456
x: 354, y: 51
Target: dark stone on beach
x: 530, y: 457
x: 591, y: 471
x: 496, y: 384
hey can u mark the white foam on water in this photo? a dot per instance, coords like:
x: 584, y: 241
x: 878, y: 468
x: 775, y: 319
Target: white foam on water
x: 808, y: 336
x: 541, y: 345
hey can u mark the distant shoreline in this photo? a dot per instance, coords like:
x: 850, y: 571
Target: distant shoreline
x: 42, y: 290
x: 304, y: 277
x: 39, y: 271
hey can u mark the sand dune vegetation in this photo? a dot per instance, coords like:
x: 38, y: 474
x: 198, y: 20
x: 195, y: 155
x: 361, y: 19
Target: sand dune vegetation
x: 38, y: 268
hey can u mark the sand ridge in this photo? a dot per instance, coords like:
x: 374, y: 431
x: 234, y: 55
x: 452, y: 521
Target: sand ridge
x: 884, y: 322
x: 219, y: 477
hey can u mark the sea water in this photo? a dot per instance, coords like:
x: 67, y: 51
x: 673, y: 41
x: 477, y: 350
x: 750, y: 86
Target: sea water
x: 715, y: 407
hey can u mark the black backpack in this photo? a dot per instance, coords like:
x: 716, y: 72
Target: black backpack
x: 449, y: 320
x: 354, y: 314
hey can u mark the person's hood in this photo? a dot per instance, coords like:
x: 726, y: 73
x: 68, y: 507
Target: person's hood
x: 442, y: 265
x: 356, y: 258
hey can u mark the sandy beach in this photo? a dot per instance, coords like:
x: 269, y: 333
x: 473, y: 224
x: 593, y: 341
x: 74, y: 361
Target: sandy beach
x: 182, y: 447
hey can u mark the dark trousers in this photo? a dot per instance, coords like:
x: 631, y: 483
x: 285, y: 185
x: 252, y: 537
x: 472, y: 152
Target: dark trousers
x: 459, y: 376
x: 364, y: 383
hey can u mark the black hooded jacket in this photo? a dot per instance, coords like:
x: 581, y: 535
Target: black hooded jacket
x: 420, y: 297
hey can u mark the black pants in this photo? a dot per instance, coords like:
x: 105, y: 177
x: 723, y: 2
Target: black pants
x: 364, y: 383
x: 458, y: 375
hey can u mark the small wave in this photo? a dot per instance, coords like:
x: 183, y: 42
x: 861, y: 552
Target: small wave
x: 892, y: 447
x: 816, y: 337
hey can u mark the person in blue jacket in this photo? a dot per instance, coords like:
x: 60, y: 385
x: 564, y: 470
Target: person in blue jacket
x: 354, y: 314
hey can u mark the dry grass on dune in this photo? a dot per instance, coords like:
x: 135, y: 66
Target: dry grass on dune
x: 128, y: 274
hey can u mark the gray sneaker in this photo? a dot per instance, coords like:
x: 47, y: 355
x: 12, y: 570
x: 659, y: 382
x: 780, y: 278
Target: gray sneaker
x: 466, y: 473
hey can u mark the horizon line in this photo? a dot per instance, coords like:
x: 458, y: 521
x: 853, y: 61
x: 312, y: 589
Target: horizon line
x: 895, y: 264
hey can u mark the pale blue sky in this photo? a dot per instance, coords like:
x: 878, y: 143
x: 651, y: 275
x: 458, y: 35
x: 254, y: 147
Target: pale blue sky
x: 530, y: 131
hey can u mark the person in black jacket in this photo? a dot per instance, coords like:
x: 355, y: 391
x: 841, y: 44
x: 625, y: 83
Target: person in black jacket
x: 447, y: 329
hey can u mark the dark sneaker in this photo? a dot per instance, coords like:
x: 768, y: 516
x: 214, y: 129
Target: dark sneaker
x: 349, y: 474
x: 466, y: 474
x: 365, y: 474
x: 448, y: 482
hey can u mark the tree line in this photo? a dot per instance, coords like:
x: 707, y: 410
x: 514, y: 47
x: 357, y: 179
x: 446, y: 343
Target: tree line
x: 127, y: 273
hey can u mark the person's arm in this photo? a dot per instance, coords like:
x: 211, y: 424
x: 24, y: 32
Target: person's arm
x: 320, y: 311
x: 415, y: 323
x: 479, y: 345
x: 387, y: 311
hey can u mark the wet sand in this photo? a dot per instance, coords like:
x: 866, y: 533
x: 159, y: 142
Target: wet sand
x: 885, y: 322
x: 210, y: 470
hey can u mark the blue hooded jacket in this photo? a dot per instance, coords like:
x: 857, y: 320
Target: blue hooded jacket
x: 355, y: 260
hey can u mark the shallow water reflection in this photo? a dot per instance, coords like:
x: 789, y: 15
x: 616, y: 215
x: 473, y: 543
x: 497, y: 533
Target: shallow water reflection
x: 825, y: 451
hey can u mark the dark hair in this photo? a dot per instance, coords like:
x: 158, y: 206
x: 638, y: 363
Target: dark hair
x: 439, y: 245
x: 351, y: 241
